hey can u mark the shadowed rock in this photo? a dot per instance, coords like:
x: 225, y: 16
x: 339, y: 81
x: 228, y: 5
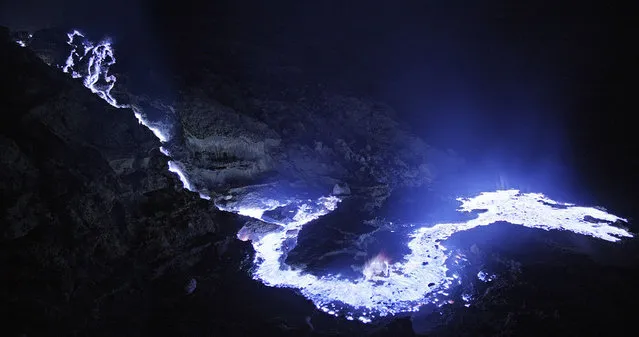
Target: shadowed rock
x: 89, y: 213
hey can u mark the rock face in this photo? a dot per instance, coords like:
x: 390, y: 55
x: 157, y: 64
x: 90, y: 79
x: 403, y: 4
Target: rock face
x: 88, y: 210
x: 310, y: 144
x: 274, y: 128
x: 298, y: 144
x: 220, y: 147
x: 93, y: 223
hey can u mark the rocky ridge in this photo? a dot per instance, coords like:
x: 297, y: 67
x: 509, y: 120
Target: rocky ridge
x: 273, y: 128
x: 90, y: 213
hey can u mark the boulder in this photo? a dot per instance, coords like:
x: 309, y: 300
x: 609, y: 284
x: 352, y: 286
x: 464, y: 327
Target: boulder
x: 341, y: 189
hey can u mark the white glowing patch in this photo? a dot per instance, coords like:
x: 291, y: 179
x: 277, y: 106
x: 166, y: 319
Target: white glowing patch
x: 485, y: 277
x: 21, y: 43
x: 175, y: 168
x: 100, y: 60
x: 164, y: 151
x: 251, y: 207
x: 70, y: 64
x: 157, y: 130
x: 377, y: 267
x: 96, y: 59
x: 255, y: 213
x: 421, y: 276
x: 535, y: 210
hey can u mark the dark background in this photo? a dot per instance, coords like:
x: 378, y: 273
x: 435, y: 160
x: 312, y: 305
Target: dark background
x: 539, y: 92
x: 539, y: 89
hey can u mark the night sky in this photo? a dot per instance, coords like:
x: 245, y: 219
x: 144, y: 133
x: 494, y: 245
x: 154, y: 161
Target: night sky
x: 534, y: 85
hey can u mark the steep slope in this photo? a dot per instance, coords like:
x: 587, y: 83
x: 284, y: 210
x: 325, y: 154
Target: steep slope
x: 89, y: 213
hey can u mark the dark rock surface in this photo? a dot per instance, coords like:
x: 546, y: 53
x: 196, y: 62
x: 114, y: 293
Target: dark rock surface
x: 311, y: 144
x: 231, y: 129
x: 89, y: 214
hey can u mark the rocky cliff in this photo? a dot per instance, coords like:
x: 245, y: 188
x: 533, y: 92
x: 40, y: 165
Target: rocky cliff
x: 274, y: 127
x: 89, y: 213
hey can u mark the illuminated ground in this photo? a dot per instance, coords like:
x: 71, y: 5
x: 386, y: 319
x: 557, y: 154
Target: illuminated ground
x: 421, y: 276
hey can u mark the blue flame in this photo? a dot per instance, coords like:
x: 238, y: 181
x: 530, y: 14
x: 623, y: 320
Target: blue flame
x: 404, y: 288
x: 93, y: 66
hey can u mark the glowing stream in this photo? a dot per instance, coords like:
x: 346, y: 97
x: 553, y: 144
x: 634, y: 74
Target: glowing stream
x: 384, y: 288
x: 92, y: 65
x: 404, y: 286
x: 98, y: 59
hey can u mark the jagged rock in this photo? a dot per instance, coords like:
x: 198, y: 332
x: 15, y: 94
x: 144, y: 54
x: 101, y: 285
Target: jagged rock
x: 88, y: 209
x: 315, y: 149
x: 255, y: 230
x: 190, y: 286
x: 233, y: 132
x: 49, y: 44
x: 341, y: 189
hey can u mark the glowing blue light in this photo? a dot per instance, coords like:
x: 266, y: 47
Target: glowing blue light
x: 255, y: 213
x: 175, y: 168
x: 164, y: 151
x: 98, y: 69
x: 69, y: 64
x: 99, y: 58
x: 485, y: 277
x: 155, y: 128
x: 253, y: 207
x: 405, y: 288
